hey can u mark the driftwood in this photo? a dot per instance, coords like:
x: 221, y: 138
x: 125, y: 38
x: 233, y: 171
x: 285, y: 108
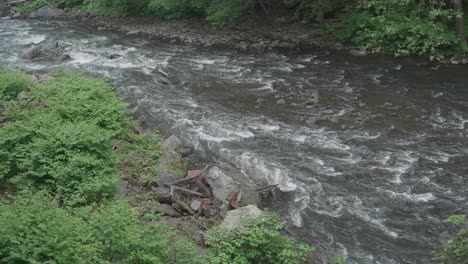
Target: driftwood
x: 186, y: 191
x: 189, y: 179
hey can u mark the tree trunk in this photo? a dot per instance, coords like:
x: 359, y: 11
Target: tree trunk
x: 460, y: 26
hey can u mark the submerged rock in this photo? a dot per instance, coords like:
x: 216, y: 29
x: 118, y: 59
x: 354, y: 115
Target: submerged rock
x: 32, y: 53
x: 233, y: 217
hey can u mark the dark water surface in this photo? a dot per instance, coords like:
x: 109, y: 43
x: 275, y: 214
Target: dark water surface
x: 374, y: 174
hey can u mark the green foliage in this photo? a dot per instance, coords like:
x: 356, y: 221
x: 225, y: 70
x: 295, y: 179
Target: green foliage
x: 401, y: 27
x: 36, y: 230
x: 140, y: 152
x: 62, y: 139
x: 12, y: 83
x: 222, y: 12
x: 455, y: 251
x: 258, y: 241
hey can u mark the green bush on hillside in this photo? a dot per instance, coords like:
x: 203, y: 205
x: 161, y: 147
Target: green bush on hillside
x: 456, y: 250
x: 400, y: 27
x: 35, y: 229
x: 258, y: 241
x: 12, y: 83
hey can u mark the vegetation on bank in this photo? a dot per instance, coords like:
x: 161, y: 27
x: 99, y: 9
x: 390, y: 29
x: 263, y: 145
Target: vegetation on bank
x: 63, y: 146
x: 400, y: 27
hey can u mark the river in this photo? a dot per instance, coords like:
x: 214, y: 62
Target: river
x: 371, y: 152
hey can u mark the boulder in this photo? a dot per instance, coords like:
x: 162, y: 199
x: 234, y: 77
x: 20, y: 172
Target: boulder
x: 195, y: 205
x: 46, y: 10
x: 166, y: 209
x: 358, y: 53
x: 63, y: 58
x: 233, y: 217
x: 172, y: 143
x: 163, y: 195
x: 221, y: 184
x: 32, y: 53
x: 164, y: 178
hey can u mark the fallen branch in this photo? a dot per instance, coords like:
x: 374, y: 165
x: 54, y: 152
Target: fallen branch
x: 190, y: 178
x: 186, y: 190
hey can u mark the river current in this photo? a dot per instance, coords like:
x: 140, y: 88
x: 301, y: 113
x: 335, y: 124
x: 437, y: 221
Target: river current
x: 372, y: 152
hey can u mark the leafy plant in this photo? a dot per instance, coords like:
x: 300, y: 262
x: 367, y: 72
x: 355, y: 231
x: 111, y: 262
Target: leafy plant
x: 455, y: 251
x: 12, y: 83
x: 257, y: 241
x: 401, y: 27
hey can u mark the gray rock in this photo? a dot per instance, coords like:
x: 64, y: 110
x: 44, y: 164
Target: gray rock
x: 281, y: 102
x: 358, y: 53
x: 172, y: 144
x: 134, y: 32
x: 22, y: 96
x: 172, y: 163
x: 166, y: 209
x: 195, y: 205
x: 184, y: 151
x: 63, y: 58
x: 233, y: 217
x: 221, y: 184
x: 164, y: 178
x: 163, y: 195
x: 43, y: 78
x: 32, y: 53
x: 46, y: 10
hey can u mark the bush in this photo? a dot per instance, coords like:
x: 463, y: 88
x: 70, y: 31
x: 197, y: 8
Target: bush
x: 62, y: 140
x: 36, y: 230
x: 259, y: 241
x: 455, y: 251
x: 400, y: 27
x: 12, y: 83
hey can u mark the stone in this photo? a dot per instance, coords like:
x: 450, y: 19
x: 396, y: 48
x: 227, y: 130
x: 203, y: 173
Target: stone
x: 164, y: 178
x: 358, y: 53
x: 172, y: 163
x: 43, y: 78
x: 114, y: 56
x: 184, y: 151
x: 133, y: 32
x: 281, y: 102
x: 163, y: 195
x: 32, y: 53
x: 221, y: 184
x: 63, y: 58
x: 166, y: 209
x: 46, y: 10
x: 172, y: 143
x: 195, y: 205
x: 22, y: 96
x: 232, y: 217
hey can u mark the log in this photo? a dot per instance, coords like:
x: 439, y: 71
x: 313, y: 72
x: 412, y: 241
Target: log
x: 186, y: 191
x: 189, y: 179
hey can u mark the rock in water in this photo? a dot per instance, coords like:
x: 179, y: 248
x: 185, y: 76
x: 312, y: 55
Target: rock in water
x: 172, y: 144
x: 32, y: 53
x: 221, y: 184
x: 232, y: 218
x: 63, y: 58
x: 358, y: 53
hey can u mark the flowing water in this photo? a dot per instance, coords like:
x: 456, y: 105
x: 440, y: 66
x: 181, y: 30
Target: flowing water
x: 373, y: 174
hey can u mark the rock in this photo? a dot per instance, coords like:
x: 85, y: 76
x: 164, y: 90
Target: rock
x: 114, y: 56
x: 221, y: 184
x: 311, y: 120
x: 134, y: 32
x: 172, y: 163
x: 184, y: 151
x: 41, y: 78
x: 166, y: 209
x: 32, y: 53
x: 163, y: 195
x: 63, y: 58
x: 22, y: 96
x: 232, y: 218
x: 195, y: 205
x: 281, y: 102
x: 164, y: 178
x: 46, y: 10
x: 172, y: 144
x: 3, y: 8
x: 358, y: 53
x: 164, y: 80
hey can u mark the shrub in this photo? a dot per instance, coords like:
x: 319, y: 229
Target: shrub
x: 62, y: 140
x: 36, y: 230
x: 455, y: 250
x: 12, y: 83
x: 401, y: 27
x: 259, y: 241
